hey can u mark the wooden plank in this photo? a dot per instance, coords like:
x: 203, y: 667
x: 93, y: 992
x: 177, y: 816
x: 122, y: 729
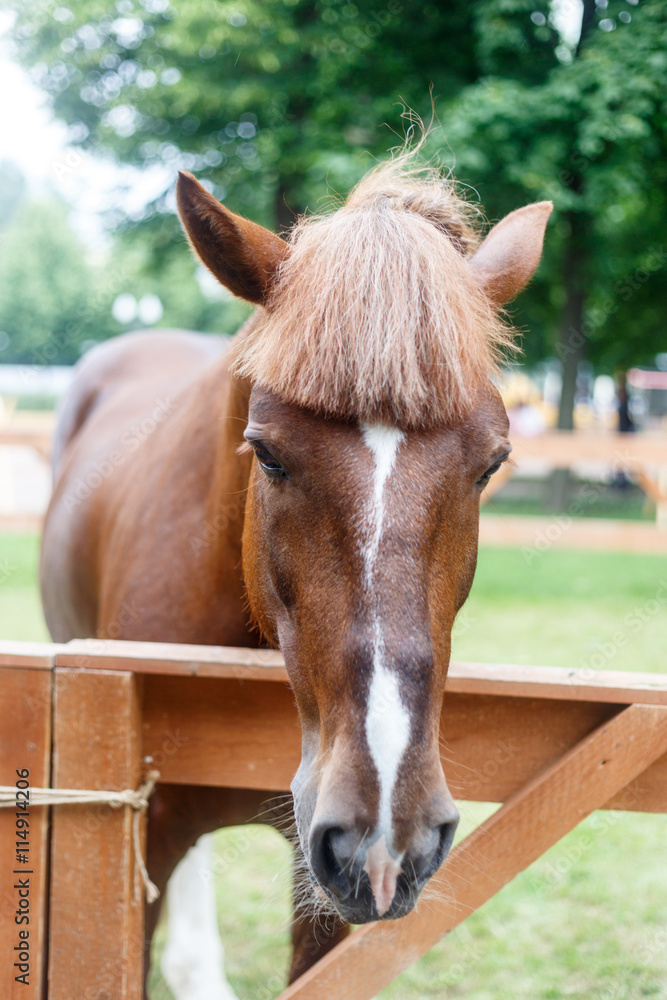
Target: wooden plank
x: 36, y: 655
x: 608, y: 686
x: 25, y: 743
x: 566, y: 448
x: 489, y: 752
x: 96, y: 925
x: 220, y: 732
x: 176, y: 659
x: 267, y: 665
x: 538, y: 534
x: 521, y: 831
x: 475, y: 762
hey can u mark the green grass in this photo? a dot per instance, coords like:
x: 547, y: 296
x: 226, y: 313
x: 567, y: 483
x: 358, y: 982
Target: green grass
x: 582, y: 610
x: 560, y: 608
x: 586, y: 921
x: 20, y: 607
x: 585, y: 499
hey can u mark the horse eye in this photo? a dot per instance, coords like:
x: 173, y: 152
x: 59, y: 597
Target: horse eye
x: 483, y: 480
x: 269, y: 464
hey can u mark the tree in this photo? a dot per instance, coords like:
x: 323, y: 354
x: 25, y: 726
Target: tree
x: 268, y: 99
x: 271, y: 100
x: 51, y: 299
x: 591, y: 135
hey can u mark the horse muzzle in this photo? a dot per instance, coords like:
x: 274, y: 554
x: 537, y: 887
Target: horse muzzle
x: 364, y: 879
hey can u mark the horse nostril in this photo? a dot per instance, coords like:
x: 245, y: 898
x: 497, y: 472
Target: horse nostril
x: 447, y: 832
x: 428, y: 863
x: 327, y: 857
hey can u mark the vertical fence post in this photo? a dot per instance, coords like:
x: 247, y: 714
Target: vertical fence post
x: 25, y: 745
x: 96, y: 918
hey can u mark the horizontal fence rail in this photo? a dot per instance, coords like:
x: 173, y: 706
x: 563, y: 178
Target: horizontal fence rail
x: 550, y: 744
x: 500, y: 723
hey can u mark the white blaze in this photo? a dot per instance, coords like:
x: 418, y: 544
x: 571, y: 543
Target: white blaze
x: 383, y: 442
x: 387, y: 721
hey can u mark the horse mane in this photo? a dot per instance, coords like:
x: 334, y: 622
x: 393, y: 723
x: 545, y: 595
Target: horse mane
x: 375, y: 313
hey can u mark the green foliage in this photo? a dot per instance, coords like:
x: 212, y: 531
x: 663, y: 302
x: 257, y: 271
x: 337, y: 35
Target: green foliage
x: 265, y: 98
x: 190, y: 296
x: 273, y: 102
x: 592, y: 138
x: 52, y: 299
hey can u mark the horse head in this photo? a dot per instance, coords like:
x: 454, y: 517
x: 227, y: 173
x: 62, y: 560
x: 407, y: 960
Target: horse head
x: 375, y: 424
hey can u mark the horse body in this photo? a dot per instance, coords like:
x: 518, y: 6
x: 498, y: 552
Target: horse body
x: 148, y: 494
x: 324, y: 472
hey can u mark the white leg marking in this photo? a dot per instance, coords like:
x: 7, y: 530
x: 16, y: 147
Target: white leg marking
x: 387, y: 720
x: 193, y: 958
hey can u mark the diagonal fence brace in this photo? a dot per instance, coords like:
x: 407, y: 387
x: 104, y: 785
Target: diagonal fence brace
x: 550, y: 805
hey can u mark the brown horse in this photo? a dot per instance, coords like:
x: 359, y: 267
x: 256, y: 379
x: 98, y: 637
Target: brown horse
x: 314, y: 486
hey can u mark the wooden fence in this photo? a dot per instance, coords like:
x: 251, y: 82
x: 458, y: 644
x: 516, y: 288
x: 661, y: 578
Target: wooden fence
x: 551, y: 744
x: 642, y: 456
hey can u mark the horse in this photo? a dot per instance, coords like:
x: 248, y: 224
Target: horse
x: 312, y: 485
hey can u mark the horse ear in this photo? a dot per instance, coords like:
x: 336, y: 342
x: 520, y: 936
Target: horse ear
x: 242, y: 255
x: 508, y: 257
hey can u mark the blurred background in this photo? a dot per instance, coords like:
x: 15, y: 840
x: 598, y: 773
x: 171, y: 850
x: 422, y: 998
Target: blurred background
x: 276, y: 105
x: 279, y: 106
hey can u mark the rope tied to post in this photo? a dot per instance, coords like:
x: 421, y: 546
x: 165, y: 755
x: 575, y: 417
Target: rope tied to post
x: 135, y: 799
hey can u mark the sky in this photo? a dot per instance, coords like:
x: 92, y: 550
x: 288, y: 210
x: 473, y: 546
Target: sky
x: 28, y: 133
x: 36, y: 142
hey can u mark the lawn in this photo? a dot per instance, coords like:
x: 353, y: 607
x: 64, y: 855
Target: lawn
x: 20, y: 608
x: 589, y: 919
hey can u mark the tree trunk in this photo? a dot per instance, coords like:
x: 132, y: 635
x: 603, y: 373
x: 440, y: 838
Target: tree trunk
x: 572, y: 336
x: 571, y: 343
